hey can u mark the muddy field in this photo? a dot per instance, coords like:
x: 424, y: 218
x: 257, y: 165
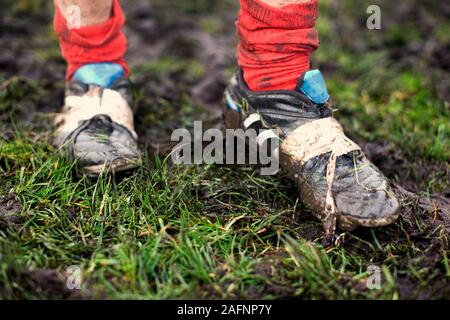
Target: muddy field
x: 224, y: 232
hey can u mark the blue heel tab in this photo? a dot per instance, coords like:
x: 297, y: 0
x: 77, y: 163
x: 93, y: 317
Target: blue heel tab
x: 103, y: 74
x: 312, y: 84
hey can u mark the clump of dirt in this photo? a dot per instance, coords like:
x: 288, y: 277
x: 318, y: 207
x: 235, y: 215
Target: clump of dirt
x: 425, y: 226
x: 42, y: 283
x: 269, y: 268
x: 10, y: 209
x: 309, y: 231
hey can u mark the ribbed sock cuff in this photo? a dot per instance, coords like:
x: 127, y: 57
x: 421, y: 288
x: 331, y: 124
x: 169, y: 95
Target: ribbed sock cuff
x: 291, y: 16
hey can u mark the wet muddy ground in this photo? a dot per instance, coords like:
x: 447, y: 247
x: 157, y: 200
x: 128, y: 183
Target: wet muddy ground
x: 181, y: 56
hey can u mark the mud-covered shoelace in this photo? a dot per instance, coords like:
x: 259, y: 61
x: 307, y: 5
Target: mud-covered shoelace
x: 317, y: 138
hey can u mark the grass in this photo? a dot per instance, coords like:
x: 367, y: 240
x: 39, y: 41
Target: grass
x: 406, y: 114
x: 149, y: 230
x: 222, y: 232
x: 177, y: 232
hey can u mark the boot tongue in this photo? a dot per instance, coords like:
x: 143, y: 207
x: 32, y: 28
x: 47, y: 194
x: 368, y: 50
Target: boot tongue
x: 312, y: 84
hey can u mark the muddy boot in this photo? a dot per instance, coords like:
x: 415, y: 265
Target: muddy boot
x: 96, y: 126
x: 334, y: 177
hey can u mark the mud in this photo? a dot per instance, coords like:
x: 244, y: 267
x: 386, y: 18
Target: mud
x: 42, y: 284
x: 204, y: 45
x: 10, y: 210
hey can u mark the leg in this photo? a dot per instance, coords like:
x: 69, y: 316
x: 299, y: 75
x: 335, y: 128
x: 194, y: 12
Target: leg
x: 92, y: 11
x: 96, y: 125
x: 280, y: 93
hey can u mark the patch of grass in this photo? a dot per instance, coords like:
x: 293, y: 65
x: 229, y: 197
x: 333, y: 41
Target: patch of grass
x: 379, y: 98
x: 209, y: 231
x: 404, y: 112
x: 168, y: 65
x: 182, y: 232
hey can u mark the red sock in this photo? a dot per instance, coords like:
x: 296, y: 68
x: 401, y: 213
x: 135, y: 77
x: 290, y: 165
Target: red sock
x: 276, y: 43
x: 104, y: 42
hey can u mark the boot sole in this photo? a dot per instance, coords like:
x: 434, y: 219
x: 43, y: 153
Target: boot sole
x: 114, y: 167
